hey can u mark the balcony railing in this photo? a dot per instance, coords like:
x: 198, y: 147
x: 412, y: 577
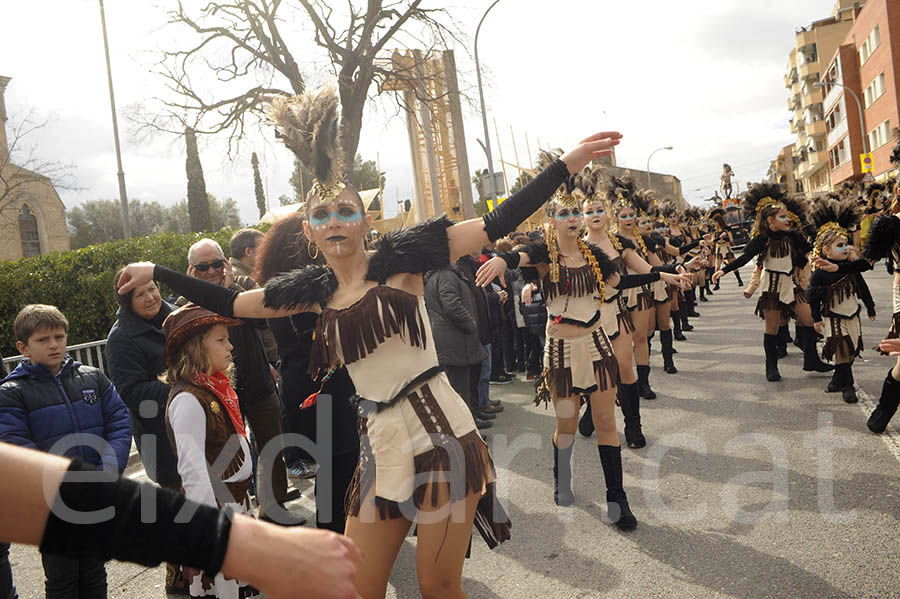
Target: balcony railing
x: 91, y: 354
x: 839, y: 131
x: 816, y: 128
x: 834, y: 94
x: 808, y: 69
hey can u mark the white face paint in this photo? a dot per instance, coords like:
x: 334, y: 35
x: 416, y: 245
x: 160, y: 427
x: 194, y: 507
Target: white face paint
x: 837, y: 249
x: 595, y: 216
x: 338, y: 227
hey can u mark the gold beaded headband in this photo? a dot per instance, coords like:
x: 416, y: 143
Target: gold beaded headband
x: 767, y: 202
x: 826, y: 230
x: 327, y: 193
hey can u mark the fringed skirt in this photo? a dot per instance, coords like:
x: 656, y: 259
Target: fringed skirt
x: 580, y: 365
x: 201, y: 586
x: 660, y: 292
x: 412, y: 448
x: 778, y: 293
x: 639, y: 298
x: 614, y: 314
x: 843, y: 337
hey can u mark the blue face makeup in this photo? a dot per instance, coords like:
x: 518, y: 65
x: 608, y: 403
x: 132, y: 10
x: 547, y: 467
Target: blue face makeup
x: 565, y: 213
x: 592, y: 213
x: 344, y: 214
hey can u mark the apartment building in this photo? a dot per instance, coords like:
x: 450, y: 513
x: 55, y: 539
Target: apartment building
x: 814, y: 46
x: 862, y: 76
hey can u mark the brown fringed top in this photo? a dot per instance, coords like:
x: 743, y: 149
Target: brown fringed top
x: 387, y: 326
x: 576, y: 296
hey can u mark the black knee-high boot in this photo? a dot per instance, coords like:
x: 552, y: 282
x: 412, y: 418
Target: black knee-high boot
x: 709, y: 274
x: 631, y: 410
x: 848, y: 389
x: 665, y: 338
x: 676, y: 324
x: 770, y: 344
x: 691, y: 296
x: 737, y: 275
x: 644, y: 389
x: 586, y: 423
x: 887, y: 405
x: 562, y: 475
x: 616, y: 500
x: 798, y: 343
x: 683, y: 313
x: 702, y: 289
x: 811, y: 360
x: 783, y: 336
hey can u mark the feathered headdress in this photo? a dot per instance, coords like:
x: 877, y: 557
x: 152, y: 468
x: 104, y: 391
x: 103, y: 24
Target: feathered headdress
x: 588, y: 183
x: 692, y: 214
x: 563, y: 196
x: 621, y: 191
x: 308, y: 124
x: 644, y: 202
x: 832, y: 214
x: 667, y: 207
x: 763, y: 195
x: 717, y: 215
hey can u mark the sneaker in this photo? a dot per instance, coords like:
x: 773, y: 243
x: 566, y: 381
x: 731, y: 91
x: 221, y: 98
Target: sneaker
x: 304, y: 469
x: 530, y: 376
x: 501, y: 379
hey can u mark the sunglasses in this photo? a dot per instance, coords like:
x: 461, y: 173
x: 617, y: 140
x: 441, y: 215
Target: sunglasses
x: 217, y: 264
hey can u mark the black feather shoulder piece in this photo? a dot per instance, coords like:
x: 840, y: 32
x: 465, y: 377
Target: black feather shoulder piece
x: 607, y: 267
x: 883, y: 234
x: 301, y: 287
x: 416, y: 250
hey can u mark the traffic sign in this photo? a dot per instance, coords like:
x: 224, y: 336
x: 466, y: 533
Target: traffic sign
x: 866, y: 161
x: 868, y: 178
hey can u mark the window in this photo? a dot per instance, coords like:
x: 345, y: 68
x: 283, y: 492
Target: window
x: 835, y: 116
x: 875, y: 90
x: 879, y: 136
x: 28, y: 233
x: 838, y: 155
x: 868, y: 47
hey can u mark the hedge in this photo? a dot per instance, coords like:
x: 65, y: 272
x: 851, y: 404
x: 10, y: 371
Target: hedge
x: 79, y: 282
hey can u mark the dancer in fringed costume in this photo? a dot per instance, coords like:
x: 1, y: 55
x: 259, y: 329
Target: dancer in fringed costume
x: 576, y: 277
x: 834, y: 296
x: 777, y: 240
x: 723, y: 242
x: 421, y: 456
x: 616, y: 317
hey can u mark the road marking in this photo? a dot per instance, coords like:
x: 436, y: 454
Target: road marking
x: 890, y: 436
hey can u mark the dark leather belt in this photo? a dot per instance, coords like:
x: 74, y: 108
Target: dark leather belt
x: 366, y: 407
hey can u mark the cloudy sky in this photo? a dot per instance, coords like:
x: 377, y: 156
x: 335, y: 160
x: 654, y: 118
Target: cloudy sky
x: 704, y: 77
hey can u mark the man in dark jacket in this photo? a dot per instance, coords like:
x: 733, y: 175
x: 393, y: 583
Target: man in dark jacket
x: 451, y: 309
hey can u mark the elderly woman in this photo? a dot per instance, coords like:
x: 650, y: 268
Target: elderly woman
x: 134, y: 350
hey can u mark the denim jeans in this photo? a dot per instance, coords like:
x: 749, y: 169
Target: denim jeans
x: 484, y: 384
x: 74, y: 577
x: 7, y: 588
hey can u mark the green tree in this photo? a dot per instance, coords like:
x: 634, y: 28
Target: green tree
x: 258, y: 186
x: 198, y: 205
x: 365, y: 174
x: 481, y: 206
x: 284, y: 199
x: 521, y: 181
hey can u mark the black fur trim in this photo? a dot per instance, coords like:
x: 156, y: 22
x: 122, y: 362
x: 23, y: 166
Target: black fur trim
x: 416, y: 250
x: 607, y: 267
x: 627, y: 244
x: 883, y: 234
x: 537, y: 253
x: 301, y: 287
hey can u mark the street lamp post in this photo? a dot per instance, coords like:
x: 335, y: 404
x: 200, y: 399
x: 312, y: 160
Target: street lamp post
x: 487, y: 138
x: 859, y: 105
x: 123, y: 196
x: 649, y: 186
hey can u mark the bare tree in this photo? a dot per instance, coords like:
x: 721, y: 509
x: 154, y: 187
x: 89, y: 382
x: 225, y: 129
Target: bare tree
x: 22, y: 167
x: 240, y: 45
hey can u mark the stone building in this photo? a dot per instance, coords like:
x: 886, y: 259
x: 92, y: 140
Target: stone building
x: 32, y: 217
x: 665, y: 185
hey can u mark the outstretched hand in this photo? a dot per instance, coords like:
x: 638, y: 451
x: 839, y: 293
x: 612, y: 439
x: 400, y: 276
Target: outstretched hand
x: 823, y: 264
x: 134, y: 275
x: 717, y: 275
x: 890, y: 346
x: 598, y: 144
x: 490, y: 270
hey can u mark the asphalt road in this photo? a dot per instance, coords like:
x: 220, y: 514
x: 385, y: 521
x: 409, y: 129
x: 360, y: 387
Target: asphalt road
x: 746, y: 488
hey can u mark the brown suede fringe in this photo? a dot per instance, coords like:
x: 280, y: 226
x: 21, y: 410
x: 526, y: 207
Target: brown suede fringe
x: 841, y: 346
x: 362, y: 327
x: 574, y: 282
x: 624, y: 316
x: 840, y: 290
x: 779, y: 248
x: 557, y: 377
x: 644, y: 299
x: 437, y: 469
x: 771, y: 300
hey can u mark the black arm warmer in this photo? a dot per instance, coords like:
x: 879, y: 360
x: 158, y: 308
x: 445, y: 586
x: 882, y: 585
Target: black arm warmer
x: 815, y: 293
x: 198, y: 542
x: 865, y: 294
x: 753, y: 248
x: 512, y: 259
x: 212, y: 297
x: 525, y: 202
x: 849, y: 266
x: 688, y: 247
x: 629, y: 281
x: 667, y: 268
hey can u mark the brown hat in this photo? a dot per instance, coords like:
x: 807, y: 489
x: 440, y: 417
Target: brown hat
x: 185, y: 322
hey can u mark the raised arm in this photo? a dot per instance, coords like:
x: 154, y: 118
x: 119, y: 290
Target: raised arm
x: 228, y: 302
x: 471, y: 235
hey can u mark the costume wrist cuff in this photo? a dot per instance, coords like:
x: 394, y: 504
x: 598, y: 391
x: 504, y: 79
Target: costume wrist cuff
x: 511, y: 258
x: 95, y: 515
x: 212, y: 297
x: 525, y: 202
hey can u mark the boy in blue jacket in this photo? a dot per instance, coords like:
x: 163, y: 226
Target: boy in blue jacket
x: 53, y: 403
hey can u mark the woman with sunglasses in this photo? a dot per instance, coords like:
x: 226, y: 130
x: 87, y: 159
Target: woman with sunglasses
x: 421, y: 457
